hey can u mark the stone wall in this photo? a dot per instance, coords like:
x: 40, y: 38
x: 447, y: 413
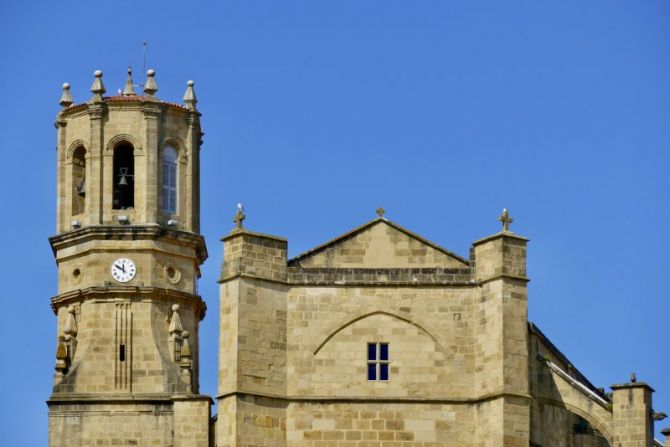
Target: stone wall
x: 428, y: 331
x: 110, y: 424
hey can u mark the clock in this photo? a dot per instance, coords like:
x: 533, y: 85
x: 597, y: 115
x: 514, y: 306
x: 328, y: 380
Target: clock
x: 123, y: 270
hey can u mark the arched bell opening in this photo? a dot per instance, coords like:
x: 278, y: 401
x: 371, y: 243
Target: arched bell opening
x: 78, y: 180
x: 123, y: 177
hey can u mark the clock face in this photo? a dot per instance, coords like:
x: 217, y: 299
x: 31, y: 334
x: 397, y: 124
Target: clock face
x: 123, y: 270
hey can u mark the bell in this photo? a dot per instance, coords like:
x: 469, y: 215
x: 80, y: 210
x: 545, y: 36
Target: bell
x: 123, y: 181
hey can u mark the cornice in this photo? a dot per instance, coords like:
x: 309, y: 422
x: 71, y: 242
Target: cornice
x: 115, y: 292
x: 128, y: 233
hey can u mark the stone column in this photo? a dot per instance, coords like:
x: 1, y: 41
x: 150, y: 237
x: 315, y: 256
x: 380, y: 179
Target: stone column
x: 94, y: 186
x: 63, y: 224
x: 501, y: 341
x: 631, y: 415
x: 192, y: 202
x: 146, y: 184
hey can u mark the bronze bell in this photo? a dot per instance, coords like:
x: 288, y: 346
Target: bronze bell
x: 124, y: 180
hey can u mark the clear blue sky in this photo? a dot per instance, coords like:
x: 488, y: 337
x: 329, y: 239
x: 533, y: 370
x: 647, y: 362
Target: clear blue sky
x: 318, y: 112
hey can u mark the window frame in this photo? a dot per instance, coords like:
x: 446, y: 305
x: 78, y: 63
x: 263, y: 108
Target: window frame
x: 169, y: 189
x: 378, y: 362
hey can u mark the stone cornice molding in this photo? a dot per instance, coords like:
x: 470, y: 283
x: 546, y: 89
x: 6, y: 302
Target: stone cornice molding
x: 129, y: 232
x: 170, y: 296
x: 381, y: 399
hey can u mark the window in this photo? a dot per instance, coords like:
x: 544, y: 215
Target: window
x: 170, y: 179
x: 123, y: 178
x: 78, y: 180
x: 378, y: 361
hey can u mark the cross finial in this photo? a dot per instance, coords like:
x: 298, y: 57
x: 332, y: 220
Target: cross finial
x: 506, y: 219
x: 239, y: 217
x: 380, y: 212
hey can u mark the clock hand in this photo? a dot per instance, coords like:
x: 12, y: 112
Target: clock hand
x: 119, y: 268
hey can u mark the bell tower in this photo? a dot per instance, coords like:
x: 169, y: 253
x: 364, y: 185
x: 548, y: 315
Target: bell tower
x: 128, y: 251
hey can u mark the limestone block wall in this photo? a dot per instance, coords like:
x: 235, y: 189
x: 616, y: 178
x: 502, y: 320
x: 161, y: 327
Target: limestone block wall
x: 631, y: 408
x: 155, y: 265
x: 251, y: 420
x: 381, y: 245
x: 261, y: 340
x: 368, y: 424
x: 142, y: 328
x: 252, y: 254
x: 428, y: 331
x: 111, y: 424
x: 191, y: 422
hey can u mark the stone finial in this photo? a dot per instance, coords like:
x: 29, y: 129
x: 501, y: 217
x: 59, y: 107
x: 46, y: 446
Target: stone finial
x: 185, y: 361
x: 150, y: 86
x: 380, y: 212
x: 189, y: 97
x: 71, y: 323
x: 506, y: 219
x: 185, y: 348
x: 239, y: 217
x: 128, y: 89
x: 61, y: 357
x: 66, y: 97
x: 98, y: 88
x: 175, y: 322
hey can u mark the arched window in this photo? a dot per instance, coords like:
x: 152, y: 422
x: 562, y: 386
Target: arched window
x: 123, y: 177
x: 78, y: 180
x: 169, y: 179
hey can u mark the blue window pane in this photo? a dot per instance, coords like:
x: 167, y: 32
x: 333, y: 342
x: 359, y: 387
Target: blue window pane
x: 383, y: 351
x: 372, y: 371
x: 383, y: 371
x: 372, y: 351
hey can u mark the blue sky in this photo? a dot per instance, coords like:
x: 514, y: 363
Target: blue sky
x: 316, y: 113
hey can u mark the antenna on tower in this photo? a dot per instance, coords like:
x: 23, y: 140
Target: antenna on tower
x: 144, y: 61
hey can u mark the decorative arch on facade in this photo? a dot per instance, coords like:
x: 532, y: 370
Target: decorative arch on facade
x: 76, y: 144
x: 335, y: 329
x: 592, y: 418
x: 120, y: 139
x: 175, y: 143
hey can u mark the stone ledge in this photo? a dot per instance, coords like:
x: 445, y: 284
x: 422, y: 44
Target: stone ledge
x: 129, y: 232
x: 500, y: 234
x: 380, y: 276
x: 115, y: 292
x: 244, y: 232
x: 622, y: 386
x: 504, y: 276
x: 382, y: 399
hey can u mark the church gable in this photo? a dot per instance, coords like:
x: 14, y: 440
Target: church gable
x: 379, y: 244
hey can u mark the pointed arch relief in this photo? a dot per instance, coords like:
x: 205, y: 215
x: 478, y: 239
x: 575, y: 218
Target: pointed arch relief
x: 402, y: 316
x: 120, y: 139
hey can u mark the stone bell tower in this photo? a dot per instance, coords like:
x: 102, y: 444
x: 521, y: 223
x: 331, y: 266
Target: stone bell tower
x: 128, y: 251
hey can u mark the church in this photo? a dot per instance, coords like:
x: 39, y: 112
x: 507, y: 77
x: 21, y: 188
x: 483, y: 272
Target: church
x: 376, y: 338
